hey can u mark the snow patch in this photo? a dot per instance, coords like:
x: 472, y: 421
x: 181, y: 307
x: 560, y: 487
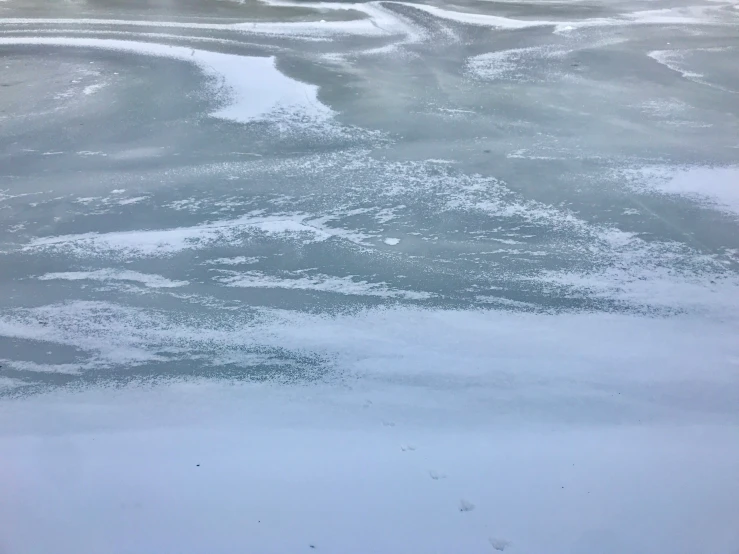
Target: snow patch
x: 199, y: 451
x: 716, y: 187
x: 92, y: 89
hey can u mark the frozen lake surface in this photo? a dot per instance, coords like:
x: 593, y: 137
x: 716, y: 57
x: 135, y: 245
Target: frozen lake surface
x: 400, y: 277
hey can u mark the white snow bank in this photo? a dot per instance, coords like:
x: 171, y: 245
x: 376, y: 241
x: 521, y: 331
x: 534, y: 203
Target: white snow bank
x: 256, y: 90
x: 194, y: 468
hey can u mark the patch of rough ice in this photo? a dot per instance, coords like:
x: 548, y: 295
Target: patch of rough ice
x: 254, y: 88
x: 147, y: 279
x: 664, y: 108
x: 512, y: 65
x: 321, y: 283
x: 661, y: 288
x: 391, y: 241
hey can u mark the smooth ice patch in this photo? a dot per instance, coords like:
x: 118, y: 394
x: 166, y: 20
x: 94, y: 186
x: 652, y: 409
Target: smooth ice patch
x: 255, y: 89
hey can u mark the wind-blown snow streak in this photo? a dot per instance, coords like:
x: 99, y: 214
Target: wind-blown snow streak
x: 316, y: 30
x: 166, y: 242
x: 320, y: 283
x: 689, y: 15
x: 146, y: 279
x: 256, y: 90
x: 484, y: 20
x: 669, y: 58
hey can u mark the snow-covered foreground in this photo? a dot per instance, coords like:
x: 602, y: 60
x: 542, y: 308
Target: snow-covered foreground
x: 197, y: 467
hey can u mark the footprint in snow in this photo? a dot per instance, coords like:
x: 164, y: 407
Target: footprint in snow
x: 499, y: 544
x: 436, y: 475
x: 465, y: 506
